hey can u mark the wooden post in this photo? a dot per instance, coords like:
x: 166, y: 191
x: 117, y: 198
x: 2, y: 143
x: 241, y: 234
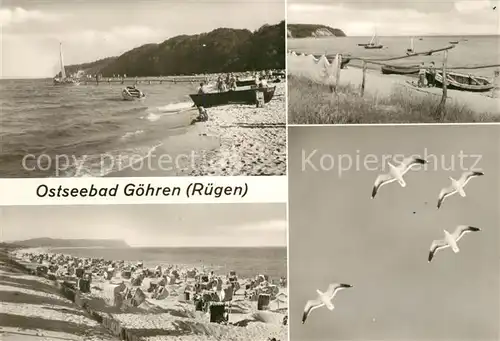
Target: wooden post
x: 259, y: 95
x: 337, y: 74
x: 364, y: 79
x: 441, y: 109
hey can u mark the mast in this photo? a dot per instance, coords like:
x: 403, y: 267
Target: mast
x: 63, y: 72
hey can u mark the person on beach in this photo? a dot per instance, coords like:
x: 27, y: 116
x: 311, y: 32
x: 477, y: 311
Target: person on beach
x: 431, y: 78
x: 422, y: 72
x: 262, y: 83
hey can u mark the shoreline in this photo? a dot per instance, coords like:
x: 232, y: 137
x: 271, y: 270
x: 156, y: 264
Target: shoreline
x: 171, y: 317
x: 237, y: 140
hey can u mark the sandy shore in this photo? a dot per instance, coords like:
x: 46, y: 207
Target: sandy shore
x: 236, y: 140
x: 379, y: 85
x: 31, y: 308
x: 170, y: 317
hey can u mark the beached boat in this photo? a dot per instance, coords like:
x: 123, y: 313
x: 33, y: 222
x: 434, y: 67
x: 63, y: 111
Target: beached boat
x: 463, y: 82
x: 374, y: 43
x: 399, y: 70
x: 63, y: 79
x: 132, y: 93
x: 454, y: 42
x: 247, y: 96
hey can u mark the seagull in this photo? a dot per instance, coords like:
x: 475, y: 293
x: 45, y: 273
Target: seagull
x: 450, y: 240
x: 323, y: 299
x: 396, y: 173
x: 457, y: 186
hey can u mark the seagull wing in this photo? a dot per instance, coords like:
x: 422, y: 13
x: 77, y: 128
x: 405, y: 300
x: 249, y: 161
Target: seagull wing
x: 408, y: 162
x: 332, y: 290
x: 310, y: 306
x: 435, y: 247
x: 445, y: 192
x: 466, y: 176
x: 461, y: 230
x: 381, y: 180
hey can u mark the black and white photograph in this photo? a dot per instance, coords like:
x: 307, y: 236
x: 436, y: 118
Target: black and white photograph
x: 394, y: 233
x: 379, y: 61
x: 142, y: 88
x: 144, y: 272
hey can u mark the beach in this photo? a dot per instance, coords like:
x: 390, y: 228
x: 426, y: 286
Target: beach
x: 391, y: 98
x: 135, y: 302
x: 236, y: 140
x: 33, y: 309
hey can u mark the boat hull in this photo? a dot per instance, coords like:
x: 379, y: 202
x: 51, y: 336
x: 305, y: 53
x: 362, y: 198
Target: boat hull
x: 373, y: 47
x: 64, y: 82
x: 232, y: 97
x: 458, y: 81
x: 132, y: 96
x: 245, y: 82
x: 395, y: 70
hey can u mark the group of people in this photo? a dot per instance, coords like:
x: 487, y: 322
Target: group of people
x: 427, y: 75
x: 229, y: 83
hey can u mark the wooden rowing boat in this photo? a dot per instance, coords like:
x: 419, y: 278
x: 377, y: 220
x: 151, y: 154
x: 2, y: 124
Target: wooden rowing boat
x: 399, y: 70
x: 463, y: 82
x: 248, y: 96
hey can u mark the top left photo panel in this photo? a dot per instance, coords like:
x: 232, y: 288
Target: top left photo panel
x: 142, y: 88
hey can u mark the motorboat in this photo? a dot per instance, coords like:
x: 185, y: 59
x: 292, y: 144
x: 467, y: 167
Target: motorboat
x: 131, y: 93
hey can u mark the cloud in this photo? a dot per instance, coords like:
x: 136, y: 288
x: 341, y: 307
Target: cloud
x: 19, y: 15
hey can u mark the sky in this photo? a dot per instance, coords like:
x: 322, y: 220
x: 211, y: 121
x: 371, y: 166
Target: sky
x: 91, y: 30
x: 337, y: 233
x: 399, y: 17
x: 151, y: 225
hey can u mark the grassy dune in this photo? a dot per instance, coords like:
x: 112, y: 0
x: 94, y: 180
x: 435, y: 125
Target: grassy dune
x: 312, y: 103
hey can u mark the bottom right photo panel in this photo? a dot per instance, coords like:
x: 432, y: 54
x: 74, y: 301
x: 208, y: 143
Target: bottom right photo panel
x: 394, y: 232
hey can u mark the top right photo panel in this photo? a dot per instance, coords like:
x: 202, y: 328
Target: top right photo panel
x: 393, y: 62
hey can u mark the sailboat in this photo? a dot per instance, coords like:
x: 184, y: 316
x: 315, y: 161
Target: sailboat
x: 63, y: 79
x: 374, y: 43
x: 412, y: 48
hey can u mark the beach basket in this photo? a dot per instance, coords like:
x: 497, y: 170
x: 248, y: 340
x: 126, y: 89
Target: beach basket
x: 263, y: 301
x: 84, y: 285
x: 218, y: 313
x: 79, y: 272
x: 126, y: 274
x: 187, y: 296
x: 198, y: 304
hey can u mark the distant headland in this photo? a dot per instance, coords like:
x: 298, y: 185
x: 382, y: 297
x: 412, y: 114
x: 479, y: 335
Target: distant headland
x: 69, y: 243
x: 221, y: 50
x: 316, y: 31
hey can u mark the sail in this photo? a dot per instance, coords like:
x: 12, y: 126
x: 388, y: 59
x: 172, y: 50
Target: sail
x: 63, y: 71
x: 411, y: 44
x: 372, y: 41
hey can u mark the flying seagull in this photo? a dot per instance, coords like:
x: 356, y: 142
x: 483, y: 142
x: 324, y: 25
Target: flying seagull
x: 396, y: 173
x: 323, y: 299
x: 450, y: 240
x: 457, y: 186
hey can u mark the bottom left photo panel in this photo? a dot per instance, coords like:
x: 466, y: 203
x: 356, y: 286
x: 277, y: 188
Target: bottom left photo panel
x: 144, y: 272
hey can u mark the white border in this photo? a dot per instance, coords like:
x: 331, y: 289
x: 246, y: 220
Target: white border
x: 257, y: 189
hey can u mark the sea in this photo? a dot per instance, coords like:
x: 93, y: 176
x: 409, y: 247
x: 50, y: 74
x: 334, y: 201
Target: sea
x: 246, y: 261
x: 92, y: 130
x: 470, y: 50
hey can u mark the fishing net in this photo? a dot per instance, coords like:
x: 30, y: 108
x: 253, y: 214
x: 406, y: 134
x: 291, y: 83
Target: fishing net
x: 316, y: 70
